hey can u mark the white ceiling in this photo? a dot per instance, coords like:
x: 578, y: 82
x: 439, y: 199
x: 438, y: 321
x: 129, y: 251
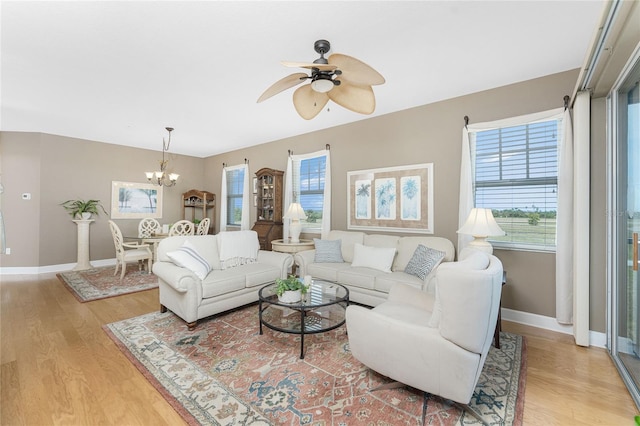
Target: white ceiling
x: 120, y: 72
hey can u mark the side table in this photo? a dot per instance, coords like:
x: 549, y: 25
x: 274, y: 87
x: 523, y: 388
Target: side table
x: 284, y: 246
x: 496, y: 334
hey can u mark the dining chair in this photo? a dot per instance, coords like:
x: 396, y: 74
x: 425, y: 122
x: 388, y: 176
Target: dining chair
x: 148, y: 227
x: 203, y: 226
x: 128, y: 252
x: 182, y: 227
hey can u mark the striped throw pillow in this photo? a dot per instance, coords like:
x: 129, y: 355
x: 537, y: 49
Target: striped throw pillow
x: 424, y: 259
x: 187, y: 257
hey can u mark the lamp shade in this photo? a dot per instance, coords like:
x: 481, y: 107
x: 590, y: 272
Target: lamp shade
x: 481, y: 223
x: 295, y: 212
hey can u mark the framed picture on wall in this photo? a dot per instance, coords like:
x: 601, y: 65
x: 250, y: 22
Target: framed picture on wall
x: 394, y: 199
x: 131, y: 200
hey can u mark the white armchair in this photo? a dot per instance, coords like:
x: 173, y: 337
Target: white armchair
x: 434, y: 343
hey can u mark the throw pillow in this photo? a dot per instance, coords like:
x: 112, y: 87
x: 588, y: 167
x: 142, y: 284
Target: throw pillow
x: 187, y: 257
x: 424, y: 259
x: 328, y: 251
x: 380, y: 258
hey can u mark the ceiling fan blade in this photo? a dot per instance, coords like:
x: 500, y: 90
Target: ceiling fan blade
x: 353, y: 97
x: 308, y: 102
x: 355, y: 71
x: 309, y: 65
x: 283, y: 84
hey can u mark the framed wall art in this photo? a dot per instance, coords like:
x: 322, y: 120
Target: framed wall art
x: 393, y: 199
x: 135, y: 200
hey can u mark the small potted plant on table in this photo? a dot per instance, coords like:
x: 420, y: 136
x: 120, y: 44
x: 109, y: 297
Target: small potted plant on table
x: 290, y: 290
x: 81, y: 209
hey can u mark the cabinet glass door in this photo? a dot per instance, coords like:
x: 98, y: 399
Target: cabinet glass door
x: 625, y: 286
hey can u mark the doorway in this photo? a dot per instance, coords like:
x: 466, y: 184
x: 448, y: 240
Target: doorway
x: 623, y: 337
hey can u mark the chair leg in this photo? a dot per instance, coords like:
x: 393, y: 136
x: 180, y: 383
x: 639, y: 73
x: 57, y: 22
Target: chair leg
x: 149, y: 263
x: 117, y: 265
x: 163, y: 309
x: 464, y: 407
x: 124, y: 269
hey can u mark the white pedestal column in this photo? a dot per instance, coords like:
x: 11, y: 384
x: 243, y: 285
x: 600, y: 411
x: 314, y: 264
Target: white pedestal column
x: 83, y: 245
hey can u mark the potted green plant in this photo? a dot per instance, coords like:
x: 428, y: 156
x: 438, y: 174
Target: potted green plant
x: 83, y: 209
x: 290, y: 289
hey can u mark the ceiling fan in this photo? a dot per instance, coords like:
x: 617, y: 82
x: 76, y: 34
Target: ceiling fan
x: 345, y: 80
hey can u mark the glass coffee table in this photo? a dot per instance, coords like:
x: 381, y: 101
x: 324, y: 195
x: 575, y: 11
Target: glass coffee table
x: 321, y: 309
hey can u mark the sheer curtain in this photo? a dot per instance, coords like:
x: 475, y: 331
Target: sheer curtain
x: 292, y: 189
x: 245, y: 222
x: 564, y: 225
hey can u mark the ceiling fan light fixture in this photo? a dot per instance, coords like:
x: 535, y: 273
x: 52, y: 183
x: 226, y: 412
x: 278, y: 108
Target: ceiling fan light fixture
x: 322, y: 85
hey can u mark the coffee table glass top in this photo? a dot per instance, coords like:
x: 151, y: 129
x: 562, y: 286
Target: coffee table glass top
x: 322, y: 309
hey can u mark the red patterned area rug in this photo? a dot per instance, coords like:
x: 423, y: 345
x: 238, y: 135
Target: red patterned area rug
x: 100, y: 283
x: 225, y: 373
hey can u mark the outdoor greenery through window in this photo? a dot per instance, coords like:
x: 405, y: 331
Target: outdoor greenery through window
x: 516, y: 176
x: 235, y: 182
x: 311, y: 192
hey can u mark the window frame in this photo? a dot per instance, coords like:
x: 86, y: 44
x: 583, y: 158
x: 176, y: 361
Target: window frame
x: 310, y: 227
x: 543, y: 182
x: 239, y: 181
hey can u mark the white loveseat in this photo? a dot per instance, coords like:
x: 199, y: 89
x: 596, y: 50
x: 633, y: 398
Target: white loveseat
x: 368, y: 285
x: 193, y: 298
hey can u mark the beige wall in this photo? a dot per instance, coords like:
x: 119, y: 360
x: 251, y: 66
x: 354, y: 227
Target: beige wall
x: 54, y: 169
x: 57, y: 168
x: 428, y: 134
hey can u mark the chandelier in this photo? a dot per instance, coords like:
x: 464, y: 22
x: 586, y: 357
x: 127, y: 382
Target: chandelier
x: 160, y: 177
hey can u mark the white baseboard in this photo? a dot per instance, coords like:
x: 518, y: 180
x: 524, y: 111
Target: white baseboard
x: 596, y: 338
x: 51, y: 269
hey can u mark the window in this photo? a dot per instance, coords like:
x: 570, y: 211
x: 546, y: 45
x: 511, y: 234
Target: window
x: 310, y: 184
x: 235, y: 183
x: 516, y: 175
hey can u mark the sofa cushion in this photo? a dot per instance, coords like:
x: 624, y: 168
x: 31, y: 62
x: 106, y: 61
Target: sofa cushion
x: 327, y: 271
x: 188, y: 257
x: 328, y: 251
x: 206, y: 245
x: 380, y: 258
x: 423, y: 261
x: 384, y: 282
x: 349, y: 239
x: 222, y: 281
x: 359, y: 277
x: 377, y: 240
x: 408, y: 245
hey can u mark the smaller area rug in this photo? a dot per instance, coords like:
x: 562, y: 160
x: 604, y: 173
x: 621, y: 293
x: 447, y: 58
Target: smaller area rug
x: 225, y: 373
x: 100, y: 283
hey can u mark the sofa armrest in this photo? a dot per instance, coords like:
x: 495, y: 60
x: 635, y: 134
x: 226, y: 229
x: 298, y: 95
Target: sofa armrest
x: 181, y: 279
x: 303, y: 259
x: 283, y: 261
x: 406, y: 294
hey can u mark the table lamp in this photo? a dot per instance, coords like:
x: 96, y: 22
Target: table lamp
x: 481, y: 224
x: 295, y: 213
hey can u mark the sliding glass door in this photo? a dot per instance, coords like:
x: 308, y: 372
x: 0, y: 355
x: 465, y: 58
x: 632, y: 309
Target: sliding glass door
x: 624, y: 229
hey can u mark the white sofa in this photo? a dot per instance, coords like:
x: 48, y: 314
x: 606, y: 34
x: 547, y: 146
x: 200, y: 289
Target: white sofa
x: 371, y: 286
x: 193, y: 298
x: 437, y: 343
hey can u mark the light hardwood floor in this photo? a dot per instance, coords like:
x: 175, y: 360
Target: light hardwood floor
x: 59, y: 367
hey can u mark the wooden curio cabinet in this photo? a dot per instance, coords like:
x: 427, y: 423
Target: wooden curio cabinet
x: 198, y: 205
x: 269, y: 206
